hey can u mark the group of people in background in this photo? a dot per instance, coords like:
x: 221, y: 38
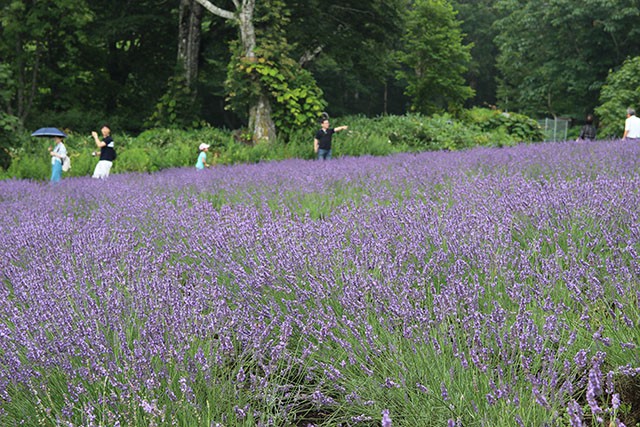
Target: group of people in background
x: 321, y: 145
x: 107, y: 155
x: 631, y: 127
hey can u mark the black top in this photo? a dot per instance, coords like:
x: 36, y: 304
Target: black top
x: 588, y: 132
x: 108, y: 152
x: 324, y: 138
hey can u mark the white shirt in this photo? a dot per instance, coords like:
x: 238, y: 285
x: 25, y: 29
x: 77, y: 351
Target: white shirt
x: 59, y: 149
x: 632, y: 127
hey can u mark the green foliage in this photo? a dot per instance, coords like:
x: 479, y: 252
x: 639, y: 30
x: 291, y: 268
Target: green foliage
x: 554, y: 57
x: 158, y: 149
x: 433, y: 44
x: 621, y: 91
x: 353, y: 80
x: 477, y: 17
x: 77, y: 120
x: 113, y: 60
x: 518, y: 126
x: 478, y: 127
x: 9, y: 123
x: 295, y: 97
x: 177, y: 107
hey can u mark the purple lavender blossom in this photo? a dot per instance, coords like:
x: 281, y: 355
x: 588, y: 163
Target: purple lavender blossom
x: 285, y: 276
x: 575, y: 414
x: 386, y: 419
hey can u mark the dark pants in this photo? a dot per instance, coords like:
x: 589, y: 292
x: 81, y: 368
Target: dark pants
x: 324, y: 154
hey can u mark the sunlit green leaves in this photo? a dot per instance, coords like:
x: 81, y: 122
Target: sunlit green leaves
x: 555, y: 56
x: 435, y: 58
x: 621, y: 91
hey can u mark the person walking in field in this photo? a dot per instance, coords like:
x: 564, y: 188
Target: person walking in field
x: 202, y: 157
x: 58, y: 154
x: 322, y: 140
x: 631, y: 125
x: 107, y: 152
x: 588, y: 131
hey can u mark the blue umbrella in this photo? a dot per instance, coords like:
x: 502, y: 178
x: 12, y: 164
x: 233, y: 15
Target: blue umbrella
x: 49, y: 132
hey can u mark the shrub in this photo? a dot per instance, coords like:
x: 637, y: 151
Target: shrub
x: 518, y: 127
x: 621, y: 90
x: 157, y: 149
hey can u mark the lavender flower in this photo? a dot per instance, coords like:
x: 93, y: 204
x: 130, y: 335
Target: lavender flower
x: 575, y: 414
x: 386, y: 419
x: 283, y: 275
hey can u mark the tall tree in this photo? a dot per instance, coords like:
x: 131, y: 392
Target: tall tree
x: 260, y: 120
x: 554, y: 57
x: 348, y: 45
x: 435, y: 58
x: 178, y: 106
x: 39, y: 47
x: 262, y: 77
x: 189, y: 22
x: 478, y: 17
x: 621, y: 91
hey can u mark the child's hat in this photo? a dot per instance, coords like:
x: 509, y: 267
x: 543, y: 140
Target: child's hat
x: 203, y: 146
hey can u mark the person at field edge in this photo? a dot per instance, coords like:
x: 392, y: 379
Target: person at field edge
x: 588, y: 131
x: 107, y: 152
x: 322, y: 140
x: 58, y: 153
x: 631, y: 125
x: 202, y: 157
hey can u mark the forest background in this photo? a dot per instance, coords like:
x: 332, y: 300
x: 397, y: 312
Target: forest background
x: 261, y: 72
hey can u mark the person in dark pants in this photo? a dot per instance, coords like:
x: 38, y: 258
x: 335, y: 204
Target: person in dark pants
x: 588, y: 131
x: 322, y: 140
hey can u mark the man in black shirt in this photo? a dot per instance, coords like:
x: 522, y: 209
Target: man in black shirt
x: 322, y: 141
x: 107, y: 152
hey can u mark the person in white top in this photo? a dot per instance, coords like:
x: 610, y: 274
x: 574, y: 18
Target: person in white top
x: 58, y: 153
x: 631, y: 125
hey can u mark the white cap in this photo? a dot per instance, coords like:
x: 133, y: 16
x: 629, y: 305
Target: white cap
x: 203, y: 146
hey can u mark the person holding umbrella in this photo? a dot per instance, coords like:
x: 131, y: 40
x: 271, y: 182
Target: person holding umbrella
x: 58, y: 154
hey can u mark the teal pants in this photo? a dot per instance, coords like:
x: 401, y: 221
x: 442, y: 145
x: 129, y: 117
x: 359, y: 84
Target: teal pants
x: 56, y: 171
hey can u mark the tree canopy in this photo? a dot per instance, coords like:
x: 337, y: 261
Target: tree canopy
x: 150, y: 63
x: 554, y: 57
x: 434, y: 57
x: 621, y: 91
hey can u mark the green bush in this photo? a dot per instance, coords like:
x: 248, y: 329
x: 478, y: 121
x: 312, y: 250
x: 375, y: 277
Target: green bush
x: 518, y: 127
x: 136, y: 159
x: 621, y: 91
x: 158, y: 149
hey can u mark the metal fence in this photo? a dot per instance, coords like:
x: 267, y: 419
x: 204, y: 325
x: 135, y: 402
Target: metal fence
x: 555, y: 129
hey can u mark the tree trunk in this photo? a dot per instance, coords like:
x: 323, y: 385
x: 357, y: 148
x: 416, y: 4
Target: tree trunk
x: 189, y: 40
x: 260, y: 119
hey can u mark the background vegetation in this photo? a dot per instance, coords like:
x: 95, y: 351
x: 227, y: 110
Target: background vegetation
x: 158, y: 149
x: 194, y: 64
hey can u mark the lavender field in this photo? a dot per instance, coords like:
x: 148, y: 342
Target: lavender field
x: 490, y: 287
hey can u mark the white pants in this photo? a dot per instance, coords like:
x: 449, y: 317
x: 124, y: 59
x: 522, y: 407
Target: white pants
x: 102, y: 169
